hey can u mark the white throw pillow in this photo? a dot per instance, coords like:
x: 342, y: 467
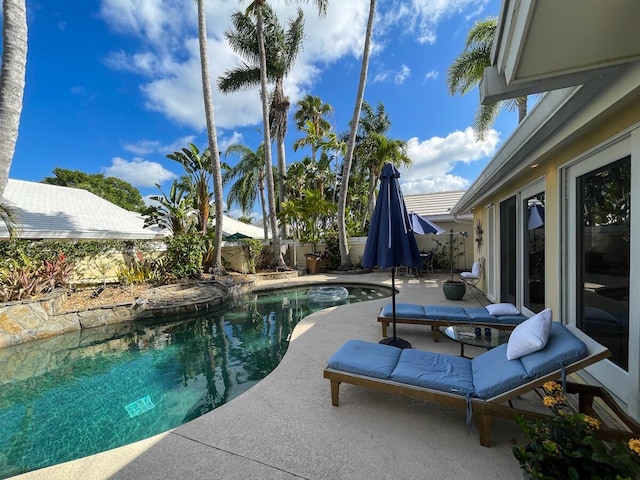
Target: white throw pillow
x: 502, y: 309
x: 530, y: 336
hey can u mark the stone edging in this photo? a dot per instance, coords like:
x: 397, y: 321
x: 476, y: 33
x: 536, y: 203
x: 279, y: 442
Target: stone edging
x: 29, y: 320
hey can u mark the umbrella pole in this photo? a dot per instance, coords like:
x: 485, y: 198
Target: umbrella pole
x: 394, y: 341
x: 393, y: 299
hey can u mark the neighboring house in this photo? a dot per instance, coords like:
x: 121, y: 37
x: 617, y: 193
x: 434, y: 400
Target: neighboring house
x: 52, y: 212
x: 556, y: 200
x: 236, y: 229
x: 437, y: 207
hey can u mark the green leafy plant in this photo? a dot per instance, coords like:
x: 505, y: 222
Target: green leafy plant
x: 254, y: 247
x: 183, y: 258
x: 139, y: 270
x: 331, y: 255
x: 565, y: 445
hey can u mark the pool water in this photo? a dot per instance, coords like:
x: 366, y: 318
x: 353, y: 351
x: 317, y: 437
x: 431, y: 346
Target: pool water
x: 92, y: 390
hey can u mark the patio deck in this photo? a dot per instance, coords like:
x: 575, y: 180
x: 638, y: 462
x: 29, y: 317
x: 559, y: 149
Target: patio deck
x: 286, y: 428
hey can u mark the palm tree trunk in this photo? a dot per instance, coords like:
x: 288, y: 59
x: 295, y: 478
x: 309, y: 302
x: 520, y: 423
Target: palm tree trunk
x: 263, y: 203
x: 345, y: 260
x: 277, y: 252
x: 12, y: 81
x: 212, y: 138
x: 282, y: 170
x: 522, y: 108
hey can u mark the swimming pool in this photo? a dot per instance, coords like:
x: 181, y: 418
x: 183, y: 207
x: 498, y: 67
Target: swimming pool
x: 93, y: 390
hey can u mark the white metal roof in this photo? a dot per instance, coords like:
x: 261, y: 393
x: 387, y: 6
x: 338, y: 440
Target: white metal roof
x: 54, y: 212
x: 231, y: 226
x: 434, y: 206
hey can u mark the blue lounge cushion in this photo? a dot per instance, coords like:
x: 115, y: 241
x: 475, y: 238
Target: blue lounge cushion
x: 365, y: 358
x: 511, y: 319
x: 480, y: 315
x: 438, y: 371
x: 562, y: 348
x: 450, y: 313
x: 404, y: 310
x: 493, y: 374
x: 444, y: 312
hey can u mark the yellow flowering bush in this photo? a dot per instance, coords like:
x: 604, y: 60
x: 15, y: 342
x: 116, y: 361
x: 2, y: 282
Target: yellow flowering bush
x: 565, y: 446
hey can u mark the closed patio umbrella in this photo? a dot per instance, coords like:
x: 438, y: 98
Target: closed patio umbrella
x: 390, y: 241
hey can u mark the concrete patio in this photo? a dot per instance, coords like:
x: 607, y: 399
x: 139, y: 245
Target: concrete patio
x: 286, y: 428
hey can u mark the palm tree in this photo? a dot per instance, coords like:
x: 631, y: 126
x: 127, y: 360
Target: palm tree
x: 345, y: 260
x: 250, y: 174
x: 376, y: 150
x: 282, y: 48
x: 257, y: 8
x: 12, y: 81
x: 216, y: 170
x: 198, y: 173
x: 467, y: 70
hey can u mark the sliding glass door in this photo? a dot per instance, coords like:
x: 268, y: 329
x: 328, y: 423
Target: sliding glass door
x: 603, y: 227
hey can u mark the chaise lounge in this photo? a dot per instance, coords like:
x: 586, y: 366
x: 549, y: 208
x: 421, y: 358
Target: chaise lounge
x: 500, y: 315
x: 481, y: 385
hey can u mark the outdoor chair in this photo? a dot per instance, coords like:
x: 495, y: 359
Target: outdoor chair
x: 472, y: 278
x: 482, y: 387
x: 500, y: 315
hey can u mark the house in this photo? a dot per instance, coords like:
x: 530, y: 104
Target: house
x: 62, y: 213
x: 437, y: 207
x: 235, y: 229
x: 558, y: 204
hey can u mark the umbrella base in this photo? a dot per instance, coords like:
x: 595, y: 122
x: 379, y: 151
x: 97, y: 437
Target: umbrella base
x: 395, y: 342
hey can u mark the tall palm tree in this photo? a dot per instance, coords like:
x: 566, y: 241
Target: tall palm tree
x: 377, y: 150
x: 282, y: 48
x: 256, y: 7
x: 310, y: 119
x: 250, y: 174
x: 467, y: 69
x: 345, y: 260
x: 313, y: 109
x: 216, y: 170
x: 12, y: 81
x: 198, y: 174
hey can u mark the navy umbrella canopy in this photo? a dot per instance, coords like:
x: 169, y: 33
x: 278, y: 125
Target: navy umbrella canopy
x: 390, y: 240
x: 423, y: 226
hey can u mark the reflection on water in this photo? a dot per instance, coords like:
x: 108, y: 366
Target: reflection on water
x: 92, y: 390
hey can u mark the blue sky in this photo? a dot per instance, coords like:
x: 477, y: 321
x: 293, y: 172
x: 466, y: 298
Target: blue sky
x: 113, y: 86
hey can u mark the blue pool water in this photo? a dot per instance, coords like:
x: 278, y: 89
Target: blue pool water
x: 93, y: 390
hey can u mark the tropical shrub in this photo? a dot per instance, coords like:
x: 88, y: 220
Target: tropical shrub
x: 26, y: 279
x: 565, y: 445
x: 141, y: 269
x: 184, y: 255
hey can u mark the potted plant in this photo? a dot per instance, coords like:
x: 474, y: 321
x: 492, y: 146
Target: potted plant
x: 565, y: 446
x: 453, y: 289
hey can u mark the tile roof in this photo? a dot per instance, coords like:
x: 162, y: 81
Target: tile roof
x: 51, y: 211
x: 435, y: 206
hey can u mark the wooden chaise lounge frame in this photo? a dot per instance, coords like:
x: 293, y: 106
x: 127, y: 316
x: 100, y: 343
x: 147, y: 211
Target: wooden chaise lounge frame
x: 483, y: 410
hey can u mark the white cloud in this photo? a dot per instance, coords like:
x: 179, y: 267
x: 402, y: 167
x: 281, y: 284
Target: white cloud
x: 138, y: 172
x: 402, y: 75
x: 432, y: 75
x: 435, y: 158
x: 145, y: 146
x: 420, y: 18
